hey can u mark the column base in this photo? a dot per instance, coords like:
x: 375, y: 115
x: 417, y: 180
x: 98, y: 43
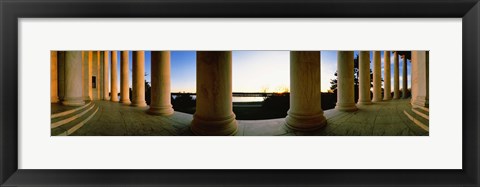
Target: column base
x: 106, y: 99
x: 420, y: 101
x: 214, y: 127
x: 126, y: 102
x: 348, y: 107
x: 404, y: 95
x: 396, y: 96
x: 305, y: 122
x: 54, y: 100
x: 114, y: 99
x: 377, y: 100
x: 387, y: 98
x: 364, y: 103
x: 161, y: 110
x: 139, y: 104
x: 73, y: 102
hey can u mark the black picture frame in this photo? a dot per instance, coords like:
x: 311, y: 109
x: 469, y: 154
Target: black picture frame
x: 12, y: 10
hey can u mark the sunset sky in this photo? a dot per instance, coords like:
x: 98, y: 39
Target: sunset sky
x: 253, y: 71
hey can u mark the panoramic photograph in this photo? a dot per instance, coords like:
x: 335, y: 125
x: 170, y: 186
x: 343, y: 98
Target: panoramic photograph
x: 239, y: 93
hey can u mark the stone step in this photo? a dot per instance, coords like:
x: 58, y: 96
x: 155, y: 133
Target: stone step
x: 421, y: 112
x: 423, y: 108
x: 417, y: 119
x: 59, y: 121
x: 417, y: 130
x: 65, y: 113
x: 74, y: 125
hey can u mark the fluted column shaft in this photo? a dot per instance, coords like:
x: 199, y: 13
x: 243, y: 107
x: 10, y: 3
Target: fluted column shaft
x: 73, y: 79
x: 404, y: 78
x: 106, y: 59
x: 214, y: 114
x: 99, y: 77
x: 53, y: 77
x: 138, y: 79
x: 364, y: 82
x: 113, y: 77
x: 396, y: 77
x: 124, y: 88
x: 305, y: 113
x: 387, y: 93
x: 61, y: 74
x: 87, y: 76
x: 420, y: 78
x: 160, y: 92
x: 345, y: 87
x: 377, y: 77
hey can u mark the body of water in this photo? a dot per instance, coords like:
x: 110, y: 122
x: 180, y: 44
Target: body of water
x: 237, y: 99
x: 247, y: 99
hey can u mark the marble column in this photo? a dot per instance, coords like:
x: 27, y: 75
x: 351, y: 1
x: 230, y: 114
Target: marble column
x: 124, y: 88
x: 53, y: 77
x: 106, y: 59
x: 92, y: 59
x: 87, y: 76
x: 214, y: 114
x: 404, y: 78
x: 138, y: 79
x: 420, y: 79
x: 364, y: 82
x: 305, y: 113
x: 160, y: 92
x: 387, y: 92
x: 84, y: 73
x: 61, y: 74
x: 377, y: 77
x: 396, y: 77
x: 113, y: 77
x: 73, y: 79
x: 345, y: 82
x: 99, y: 77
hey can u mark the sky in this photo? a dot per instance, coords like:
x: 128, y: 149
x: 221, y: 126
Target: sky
x: 252, y: 71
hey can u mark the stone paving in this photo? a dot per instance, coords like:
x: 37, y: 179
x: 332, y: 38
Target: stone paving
x: 379, y: 119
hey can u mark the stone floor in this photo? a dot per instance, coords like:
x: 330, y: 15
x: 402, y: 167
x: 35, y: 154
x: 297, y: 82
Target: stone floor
x: 379, y: 119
